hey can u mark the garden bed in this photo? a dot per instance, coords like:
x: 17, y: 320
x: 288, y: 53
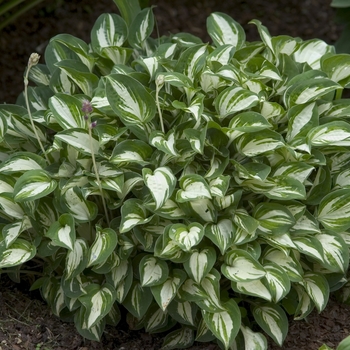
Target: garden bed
x: 26, y: 322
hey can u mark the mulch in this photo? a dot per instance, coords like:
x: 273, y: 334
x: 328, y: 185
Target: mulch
x: 25, y: 321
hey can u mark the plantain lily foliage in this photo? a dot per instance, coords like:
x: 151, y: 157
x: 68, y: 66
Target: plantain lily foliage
x: 203, y: 187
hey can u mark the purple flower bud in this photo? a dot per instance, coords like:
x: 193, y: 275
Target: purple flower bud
x: 87, y: 107
x: 93, y: 124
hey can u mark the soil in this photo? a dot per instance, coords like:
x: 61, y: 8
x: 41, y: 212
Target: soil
x: 25, y: 321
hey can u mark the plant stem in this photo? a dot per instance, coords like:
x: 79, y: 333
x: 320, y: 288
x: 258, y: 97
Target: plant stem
x: 159, y: 84
x: 338, y: 94
x: 97, y: 175
x: 33, y: 60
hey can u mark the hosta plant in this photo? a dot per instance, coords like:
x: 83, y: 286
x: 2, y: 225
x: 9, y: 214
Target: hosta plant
x: 197, y: 188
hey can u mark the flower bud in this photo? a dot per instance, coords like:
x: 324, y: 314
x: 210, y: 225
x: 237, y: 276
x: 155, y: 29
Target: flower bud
x: 87, y: 107
x: 93, y: 124
x: 33, y: 59
x: 160, y: 80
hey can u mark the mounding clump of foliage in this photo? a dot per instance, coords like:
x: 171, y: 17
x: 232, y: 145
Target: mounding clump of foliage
x: 203, y: 187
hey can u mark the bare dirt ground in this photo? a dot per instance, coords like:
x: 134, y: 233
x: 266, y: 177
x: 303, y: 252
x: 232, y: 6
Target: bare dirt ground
x: 25, y: 321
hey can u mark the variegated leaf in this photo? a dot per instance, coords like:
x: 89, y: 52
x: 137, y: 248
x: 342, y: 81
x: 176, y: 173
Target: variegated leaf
x: 204, y: 334
x: 155, y: 319
x: 273, y: 320
x: 330, y: 134
x: 133, y: 213
x: 264, y: 34
x: 161, y: 184
x: 80, y: 74
x: 177, y: 79
x: 33, y: 184
x: 153, y: 271
x: 210, y: 284
x: 164, y: 293
x: 78, y: 206
x: 286, y: 188
x: 62, y: 232
x: 12, y: 231
x: 18, y: 253
x: 186, y: 236
x: 253, y: 340
x: 305, y: 304
x: 95, y: 332
x: 240, y: 266
x: 309, y: 90
x: 150, y: 65
x: 138, y: 300
x: 180, y: 339
x: 22, y: 161
x: 297, y: 170
x: 278, y: 281
x: 246, y: 122
x: 73, y: 288
x: 219, y: 185
x: 306, y: 224
x: 222, y: 54
x: 79, y: 139
x: 342, y: 180
x: 103, y: 246
x: 192, y: 187
x: 234, y: 99
x: 108, y: 30
x: 336, y: 253
x: 76, y: 259
x: 131, y: 151
x: 259, y: 142
x: 200, y: 263
x: 119, y: 272
x: 170, y: 210
x: 317, y: 287
x: 334, y: 209
x: 192, y: 291
x: 309, y: 246
x: 257, y: 288
x: 224, y: 30
x: 224, y: 324
x: 164, y: 143
x: 67, y: 111
x: 221, y: 234
x: 97, y: 301
x: 78, y: 46
x: 287, y: 262
x: 183, y: 312
x: 311, y: 51
x: 192, y: 61
x: 273, y: 218
x: 336, y: 66
x: 141, y: 28
x: 129, y: 99
x: 245, y: 222
x: 301, y: 119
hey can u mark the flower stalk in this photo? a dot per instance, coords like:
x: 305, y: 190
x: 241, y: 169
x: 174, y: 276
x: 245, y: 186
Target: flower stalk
x: 159, y: 85
x: 33, y: 61
x: 87, y: 109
